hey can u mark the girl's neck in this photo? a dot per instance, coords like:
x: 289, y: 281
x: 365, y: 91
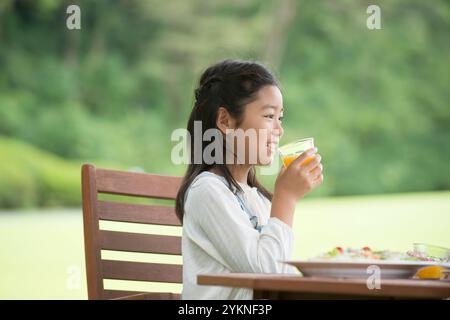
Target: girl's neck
x: 238, y: 171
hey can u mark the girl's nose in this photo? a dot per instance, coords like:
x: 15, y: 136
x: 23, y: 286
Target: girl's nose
x: 278, y: 130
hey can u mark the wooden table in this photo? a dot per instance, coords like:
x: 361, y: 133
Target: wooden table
x: 284, y: 286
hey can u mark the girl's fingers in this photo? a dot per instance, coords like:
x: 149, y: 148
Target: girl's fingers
x: 311, y: 164
x: 318, y: 180
x: 314, y: 173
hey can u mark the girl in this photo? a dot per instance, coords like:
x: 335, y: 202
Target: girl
x: 231, y: 223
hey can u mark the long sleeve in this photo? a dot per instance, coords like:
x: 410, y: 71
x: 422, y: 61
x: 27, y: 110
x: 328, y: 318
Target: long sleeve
x: 215, y: 222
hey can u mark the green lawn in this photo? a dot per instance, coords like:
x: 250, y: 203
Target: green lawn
x: 41, y: 252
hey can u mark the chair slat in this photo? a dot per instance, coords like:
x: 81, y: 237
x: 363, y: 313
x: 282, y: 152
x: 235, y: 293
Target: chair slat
x: 139, y: 242
x: 137, y: 213
x: 128, y: 295
x: 137, y: 184
x: 142, y: 271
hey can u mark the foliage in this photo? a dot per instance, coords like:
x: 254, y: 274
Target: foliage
x: 376, y: 102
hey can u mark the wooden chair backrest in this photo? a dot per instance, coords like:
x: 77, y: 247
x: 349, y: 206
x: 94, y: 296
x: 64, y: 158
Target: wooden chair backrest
x: 97, y: 181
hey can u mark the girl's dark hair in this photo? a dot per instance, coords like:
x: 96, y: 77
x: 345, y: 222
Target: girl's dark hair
x: 230, y: 84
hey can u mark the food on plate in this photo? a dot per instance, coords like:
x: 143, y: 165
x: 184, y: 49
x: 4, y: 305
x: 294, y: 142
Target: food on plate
x: 366, y: 253
x: 426, y: 252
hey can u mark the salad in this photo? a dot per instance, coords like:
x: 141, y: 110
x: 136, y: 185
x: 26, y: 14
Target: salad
x: 366, y: 253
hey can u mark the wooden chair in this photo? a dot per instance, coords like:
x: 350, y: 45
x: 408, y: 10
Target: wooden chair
x: 101, y: 181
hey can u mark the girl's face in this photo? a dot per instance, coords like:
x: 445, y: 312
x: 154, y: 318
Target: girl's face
x: 264, y: 115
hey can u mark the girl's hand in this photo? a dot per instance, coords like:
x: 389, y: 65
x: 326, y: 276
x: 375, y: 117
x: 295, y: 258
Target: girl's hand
x: 299, y: 178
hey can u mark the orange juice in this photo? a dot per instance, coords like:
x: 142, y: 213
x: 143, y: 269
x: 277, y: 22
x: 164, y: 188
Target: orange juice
x: 289, y: 152
x: 288, y: 159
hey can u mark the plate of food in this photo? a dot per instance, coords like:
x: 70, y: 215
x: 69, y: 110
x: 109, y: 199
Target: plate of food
x: 361, y: 263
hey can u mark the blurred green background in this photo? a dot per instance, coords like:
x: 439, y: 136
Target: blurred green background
x: 376, y: 102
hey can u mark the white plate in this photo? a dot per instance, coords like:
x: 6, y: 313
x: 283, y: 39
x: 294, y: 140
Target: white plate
x: 360, y: 268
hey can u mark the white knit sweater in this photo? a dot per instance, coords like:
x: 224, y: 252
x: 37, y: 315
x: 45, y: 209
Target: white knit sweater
x: 218, y: 237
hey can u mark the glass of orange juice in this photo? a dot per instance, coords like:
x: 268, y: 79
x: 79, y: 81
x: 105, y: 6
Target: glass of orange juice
x: 289, y: 152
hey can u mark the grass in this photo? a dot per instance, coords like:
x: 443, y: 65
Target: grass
x: 41, y: 252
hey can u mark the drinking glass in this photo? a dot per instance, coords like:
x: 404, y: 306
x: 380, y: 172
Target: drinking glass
x: 289, y: 152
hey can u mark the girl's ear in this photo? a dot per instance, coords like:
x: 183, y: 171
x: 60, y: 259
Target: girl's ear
x: 224, y: 120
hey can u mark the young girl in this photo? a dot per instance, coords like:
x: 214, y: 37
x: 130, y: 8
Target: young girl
x: 231, y: 223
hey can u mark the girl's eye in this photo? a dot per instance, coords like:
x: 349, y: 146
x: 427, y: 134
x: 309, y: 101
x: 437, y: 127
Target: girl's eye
x: 281, y: 118
x: 269, y: 116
